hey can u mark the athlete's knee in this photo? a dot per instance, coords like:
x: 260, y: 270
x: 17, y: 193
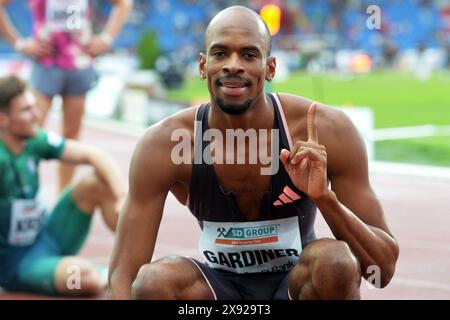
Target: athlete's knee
x: 334, y: 271
x: 143, y: 287
x: 96, y: 184
x: 90, y: 191
x: 300, y: 281
x: 169, y: 278
x: 154, y: 281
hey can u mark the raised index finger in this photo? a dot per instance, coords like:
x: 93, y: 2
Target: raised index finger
x: 311, y: 124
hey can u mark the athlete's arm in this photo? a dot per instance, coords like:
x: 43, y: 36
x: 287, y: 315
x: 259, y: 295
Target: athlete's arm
x: 7, y: 30
x: 31, y: 47
x: 351, y: 208
x: 76, y: 152
x: 117, y: 18
x: 151, y: 175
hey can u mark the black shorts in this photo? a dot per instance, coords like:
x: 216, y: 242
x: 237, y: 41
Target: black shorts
x: 249, y: 286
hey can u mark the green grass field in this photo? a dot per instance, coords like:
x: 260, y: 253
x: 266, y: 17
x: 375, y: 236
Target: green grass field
x: 396, y: 99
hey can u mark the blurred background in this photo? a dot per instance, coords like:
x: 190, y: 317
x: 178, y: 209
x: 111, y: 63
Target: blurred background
x: 386, y: 62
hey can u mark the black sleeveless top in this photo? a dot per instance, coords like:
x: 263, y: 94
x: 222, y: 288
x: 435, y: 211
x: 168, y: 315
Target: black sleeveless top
x: 209, y: 202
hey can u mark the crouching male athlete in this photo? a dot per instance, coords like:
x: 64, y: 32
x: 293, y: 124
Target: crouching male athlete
x: 257, y: 230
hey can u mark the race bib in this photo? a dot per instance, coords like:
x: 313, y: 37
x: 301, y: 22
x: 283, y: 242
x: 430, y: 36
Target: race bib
x: 249, y: 247
x: 67, y: 15
x: 27, y: 219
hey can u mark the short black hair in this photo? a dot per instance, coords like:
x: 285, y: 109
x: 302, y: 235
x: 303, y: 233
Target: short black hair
x: 10, y: 87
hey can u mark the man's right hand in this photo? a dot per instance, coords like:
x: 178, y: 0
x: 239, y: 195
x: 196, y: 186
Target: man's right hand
x: 36, y: 49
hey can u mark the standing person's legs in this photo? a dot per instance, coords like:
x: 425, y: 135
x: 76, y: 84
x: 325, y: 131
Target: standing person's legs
x: 44, y: 104
x: 73, y: 110
x: 76, y: 85
x: 46, y: 83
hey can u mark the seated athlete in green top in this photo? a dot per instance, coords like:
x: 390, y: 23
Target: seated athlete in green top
x: 38, y: 247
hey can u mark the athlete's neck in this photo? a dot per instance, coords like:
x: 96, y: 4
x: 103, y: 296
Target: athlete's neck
x: 258, y: 116
x: 13, y: 143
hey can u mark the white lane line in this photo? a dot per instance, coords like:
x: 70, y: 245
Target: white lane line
x: 422, y: 131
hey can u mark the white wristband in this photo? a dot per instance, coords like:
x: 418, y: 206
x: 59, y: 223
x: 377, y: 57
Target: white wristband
x: 106, y: 38
x: 20, y: 44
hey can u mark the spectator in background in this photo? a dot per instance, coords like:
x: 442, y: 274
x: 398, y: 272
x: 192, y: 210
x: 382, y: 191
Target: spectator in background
x: 63, y: 48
